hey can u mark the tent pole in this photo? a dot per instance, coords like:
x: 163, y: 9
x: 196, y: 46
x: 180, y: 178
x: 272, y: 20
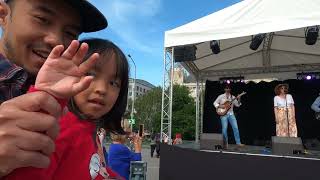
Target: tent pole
x: 197, y: 110
x: 166, y: 107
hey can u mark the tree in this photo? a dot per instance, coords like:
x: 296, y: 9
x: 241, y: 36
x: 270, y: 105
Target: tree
x: 183, y: 112
x: 148, y: 110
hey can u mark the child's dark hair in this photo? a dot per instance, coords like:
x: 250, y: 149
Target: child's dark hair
x: 112, y: 120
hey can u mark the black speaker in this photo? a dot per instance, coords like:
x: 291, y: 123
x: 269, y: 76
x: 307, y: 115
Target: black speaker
x: 185, y: 53
x: 312, y: 34
x: 215, y: 47
x: 256, y: 41
x: 287, y: 145
x: 211, y: 141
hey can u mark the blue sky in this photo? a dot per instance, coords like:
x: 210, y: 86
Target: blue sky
x: 138, y: 26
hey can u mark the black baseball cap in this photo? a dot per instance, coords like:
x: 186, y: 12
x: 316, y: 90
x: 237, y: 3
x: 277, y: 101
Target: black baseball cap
x: 93, y: 20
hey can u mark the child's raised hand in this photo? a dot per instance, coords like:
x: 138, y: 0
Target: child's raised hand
x: 63, y: 73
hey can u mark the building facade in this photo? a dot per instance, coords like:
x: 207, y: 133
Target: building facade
x: 179, y: 79
x: 141, y: 88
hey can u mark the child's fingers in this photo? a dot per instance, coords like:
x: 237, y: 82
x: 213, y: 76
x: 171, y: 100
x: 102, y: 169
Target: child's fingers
x: 88, y: 64
x: 56, y: 52
x: 83, y: 84
x: 81, y: 53
x: 71, y: 50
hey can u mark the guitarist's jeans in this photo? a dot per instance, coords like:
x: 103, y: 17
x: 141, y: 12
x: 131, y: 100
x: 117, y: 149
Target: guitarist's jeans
x: 233, y: 121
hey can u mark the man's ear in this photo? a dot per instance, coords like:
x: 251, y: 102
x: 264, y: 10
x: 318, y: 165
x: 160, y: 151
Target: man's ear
x: 4, y: 12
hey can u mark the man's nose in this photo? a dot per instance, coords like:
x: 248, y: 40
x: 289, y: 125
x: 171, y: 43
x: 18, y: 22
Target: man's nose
x: 54, y: 38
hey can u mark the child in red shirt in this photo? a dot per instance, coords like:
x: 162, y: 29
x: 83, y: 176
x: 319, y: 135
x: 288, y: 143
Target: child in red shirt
x: 79, y: 151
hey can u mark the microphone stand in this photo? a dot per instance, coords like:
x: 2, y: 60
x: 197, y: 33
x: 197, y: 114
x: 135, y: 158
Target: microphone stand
x: 287, y: 111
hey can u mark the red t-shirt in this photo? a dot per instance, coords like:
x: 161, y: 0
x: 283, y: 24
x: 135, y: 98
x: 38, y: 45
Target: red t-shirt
x: 75, y: 156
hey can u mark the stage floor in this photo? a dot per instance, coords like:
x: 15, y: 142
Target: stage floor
x: 254, y: 150
x: 187, y: 161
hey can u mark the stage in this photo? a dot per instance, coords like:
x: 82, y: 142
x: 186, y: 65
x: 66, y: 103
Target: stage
x: 187, y: 161
x: 256, y: 121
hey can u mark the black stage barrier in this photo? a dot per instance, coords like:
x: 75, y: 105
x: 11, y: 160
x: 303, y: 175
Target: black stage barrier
x: 256, y: 115
x: 178, y: 163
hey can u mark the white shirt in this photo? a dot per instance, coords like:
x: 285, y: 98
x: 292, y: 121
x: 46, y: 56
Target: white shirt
x: 223, y: 98
x: 316, y: 105
x: 283, y: 102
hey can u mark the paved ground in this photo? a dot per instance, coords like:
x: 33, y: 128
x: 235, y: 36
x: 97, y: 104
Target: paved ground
x: 152, y: 163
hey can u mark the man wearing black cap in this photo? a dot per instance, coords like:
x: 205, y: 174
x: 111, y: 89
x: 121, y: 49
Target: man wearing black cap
x: 229, y: 115
x: 30, y: 30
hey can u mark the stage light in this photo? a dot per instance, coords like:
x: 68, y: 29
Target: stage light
x: 215, y: 47
x: 256, y: 41
x: 230, y: 80
x: 311, y: 34
x: 308, y: 77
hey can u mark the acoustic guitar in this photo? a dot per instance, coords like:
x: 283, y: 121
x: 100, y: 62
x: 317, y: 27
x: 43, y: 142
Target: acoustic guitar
x: 227, y: 105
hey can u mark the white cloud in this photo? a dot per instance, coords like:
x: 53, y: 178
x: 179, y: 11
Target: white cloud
x: 133, y: 21
x: 146, y: 8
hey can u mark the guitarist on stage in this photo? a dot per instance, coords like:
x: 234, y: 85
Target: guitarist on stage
x: 316, y: 107
x: 220, y: 102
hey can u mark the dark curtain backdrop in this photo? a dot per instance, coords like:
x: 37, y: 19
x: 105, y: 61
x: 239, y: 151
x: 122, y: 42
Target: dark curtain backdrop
x: 256, y: 115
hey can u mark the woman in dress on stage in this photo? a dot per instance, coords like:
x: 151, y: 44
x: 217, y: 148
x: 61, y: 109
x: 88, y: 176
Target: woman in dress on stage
x: 284, y: 112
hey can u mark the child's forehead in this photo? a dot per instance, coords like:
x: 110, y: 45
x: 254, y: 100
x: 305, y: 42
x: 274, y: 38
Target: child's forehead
x: 107, y: 64
x: 105, y: 59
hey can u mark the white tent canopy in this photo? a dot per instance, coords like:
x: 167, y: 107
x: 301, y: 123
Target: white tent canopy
x: 282, y: 54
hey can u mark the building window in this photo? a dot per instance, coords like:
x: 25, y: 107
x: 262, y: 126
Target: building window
x: 130, y: 93
x: 144, y: 90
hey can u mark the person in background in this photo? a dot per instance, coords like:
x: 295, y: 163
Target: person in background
x: 178, y: 139
x: 316, y: 105
x: 165, y: 138
x: 30, y: 30
x: 284, y: 112
x: 120, y: 155
x: 155, y: 144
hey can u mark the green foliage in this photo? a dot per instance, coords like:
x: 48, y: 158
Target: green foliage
x: 183, y: 113
x: 148, y: 111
